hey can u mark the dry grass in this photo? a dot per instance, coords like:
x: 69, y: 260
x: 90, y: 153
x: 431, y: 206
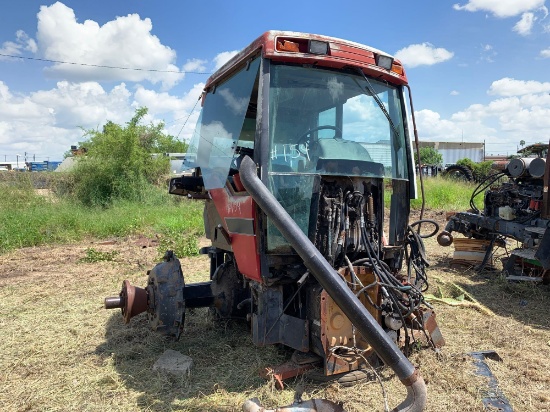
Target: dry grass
x: 60, y: 350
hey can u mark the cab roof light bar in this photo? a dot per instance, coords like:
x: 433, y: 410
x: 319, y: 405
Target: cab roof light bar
x: 317, y: 47
x: 383, y: 61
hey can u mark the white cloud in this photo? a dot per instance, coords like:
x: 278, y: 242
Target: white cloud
x: 157, y: 103
x: 184, y: 110
x: 512, y: 87
x: 545, y: 54
x: 521, y: 112
x: 524, y: 26
x: 124, y: 42
x: 454, y: 93
x: 20, y: 108
x: 431, y: 126
x: 15, y: 48
x: 501, y: 8
x: 48, y: 122
x: 488, y: 53
x: 26, y: 42
x: 422, y: 54
x: 195, y: 65
x: 223, y: 58
x: 86, y: 104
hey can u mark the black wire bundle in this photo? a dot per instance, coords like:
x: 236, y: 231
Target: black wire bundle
x: 482, y: 187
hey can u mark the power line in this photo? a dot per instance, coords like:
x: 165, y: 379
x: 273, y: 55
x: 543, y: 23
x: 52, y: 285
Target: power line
x: 102, y: 65
x: 192, y: 110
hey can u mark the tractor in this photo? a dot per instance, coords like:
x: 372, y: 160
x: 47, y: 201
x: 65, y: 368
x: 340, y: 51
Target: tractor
x: 516, y: 208
x: 299, y: 138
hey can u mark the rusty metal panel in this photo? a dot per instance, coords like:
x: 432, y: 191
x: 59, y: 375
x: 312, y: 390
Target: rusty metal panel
x: 337, y: 329
x: 285, y: 371
x: 433, y: 328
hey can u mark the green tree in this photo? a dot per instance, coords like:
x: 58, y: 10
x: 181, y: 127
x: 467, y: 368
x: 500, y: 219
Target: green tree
x: 429, y: 156
x: 120, y: 163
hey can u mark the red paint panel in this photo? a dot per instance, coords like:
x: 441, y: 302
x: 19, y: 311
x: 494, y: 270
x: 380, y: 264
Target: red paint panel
x: 245, y: 247
x: 342, y: 53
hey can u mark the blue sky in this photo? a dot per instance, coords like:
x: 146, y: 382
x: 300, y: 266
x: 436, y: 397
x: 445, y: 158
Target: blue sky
x: 478, y: 69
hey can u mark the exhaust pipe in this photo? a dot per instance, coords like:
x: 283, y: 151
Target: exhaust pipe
x: 313, y: 405
x: 337, y: 289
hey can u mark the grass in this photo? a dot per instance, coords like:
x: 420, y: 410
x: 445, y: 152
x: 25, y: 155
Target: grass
x: 30, y: 217
x: 93, y: 256
x: 446, y: 194
x: 61, y: 351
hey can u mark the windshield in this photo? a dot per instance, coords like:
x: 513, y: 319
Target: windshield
x: 327, y: 122
x: 324, y: 122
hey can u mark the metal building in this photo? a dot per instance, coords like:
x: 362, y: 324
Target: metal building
x: 454, y: 151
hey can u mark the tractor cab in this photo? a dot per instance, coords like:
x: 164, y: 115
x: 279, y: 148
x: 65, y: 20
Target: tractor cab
x: 304, y: 125
x: 298, y: 139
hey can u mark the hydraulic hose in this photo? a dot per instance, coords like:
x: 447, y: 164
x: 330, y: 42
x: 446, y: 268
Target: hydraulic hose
x: 337, y: 289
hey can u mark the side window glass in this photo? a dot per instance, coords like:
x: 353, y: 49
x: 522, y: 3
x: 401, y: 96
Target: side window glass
x: 222, y: 125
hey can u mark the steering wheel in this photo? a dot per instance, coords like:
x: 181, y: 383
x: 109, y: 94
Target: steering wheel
x: 302, y: 140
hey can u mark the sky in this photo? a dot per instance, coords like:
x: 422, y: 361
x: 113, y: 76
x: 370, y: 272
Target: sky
x: 478, y: 69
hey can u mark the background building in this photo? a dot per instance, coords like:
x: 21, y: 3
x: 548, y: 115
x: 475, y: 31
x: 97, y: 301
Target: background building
x: 454, y: 151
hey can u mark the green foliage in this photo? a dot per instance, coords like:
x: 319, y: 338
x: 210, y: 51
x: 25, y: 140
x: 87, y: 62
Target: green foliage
x: 480, y: 170
x: 169, y: 144
x: 94, y: 256
x: 119, y: 162
x: 181, y: 243
x: 429, y: 156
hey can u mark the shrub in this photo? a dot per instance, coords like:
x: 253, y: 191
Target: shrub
x: 120, y: 163
x: 480, y: 170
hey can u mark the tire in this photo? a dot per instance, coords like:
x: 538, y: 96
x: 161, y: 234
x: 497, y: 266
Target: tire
x: 459, y: 172
x: 228, y: 291
x: 165, y: 285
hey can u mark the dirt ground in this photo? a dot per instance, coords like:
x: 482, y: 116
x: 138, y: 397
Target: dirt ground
x: 60, y: 350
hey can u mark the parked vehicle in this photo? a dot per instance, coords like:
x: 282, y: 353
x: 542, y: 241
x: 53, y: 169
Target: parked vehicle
x: 294, y: 208
x: 516, y: 206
